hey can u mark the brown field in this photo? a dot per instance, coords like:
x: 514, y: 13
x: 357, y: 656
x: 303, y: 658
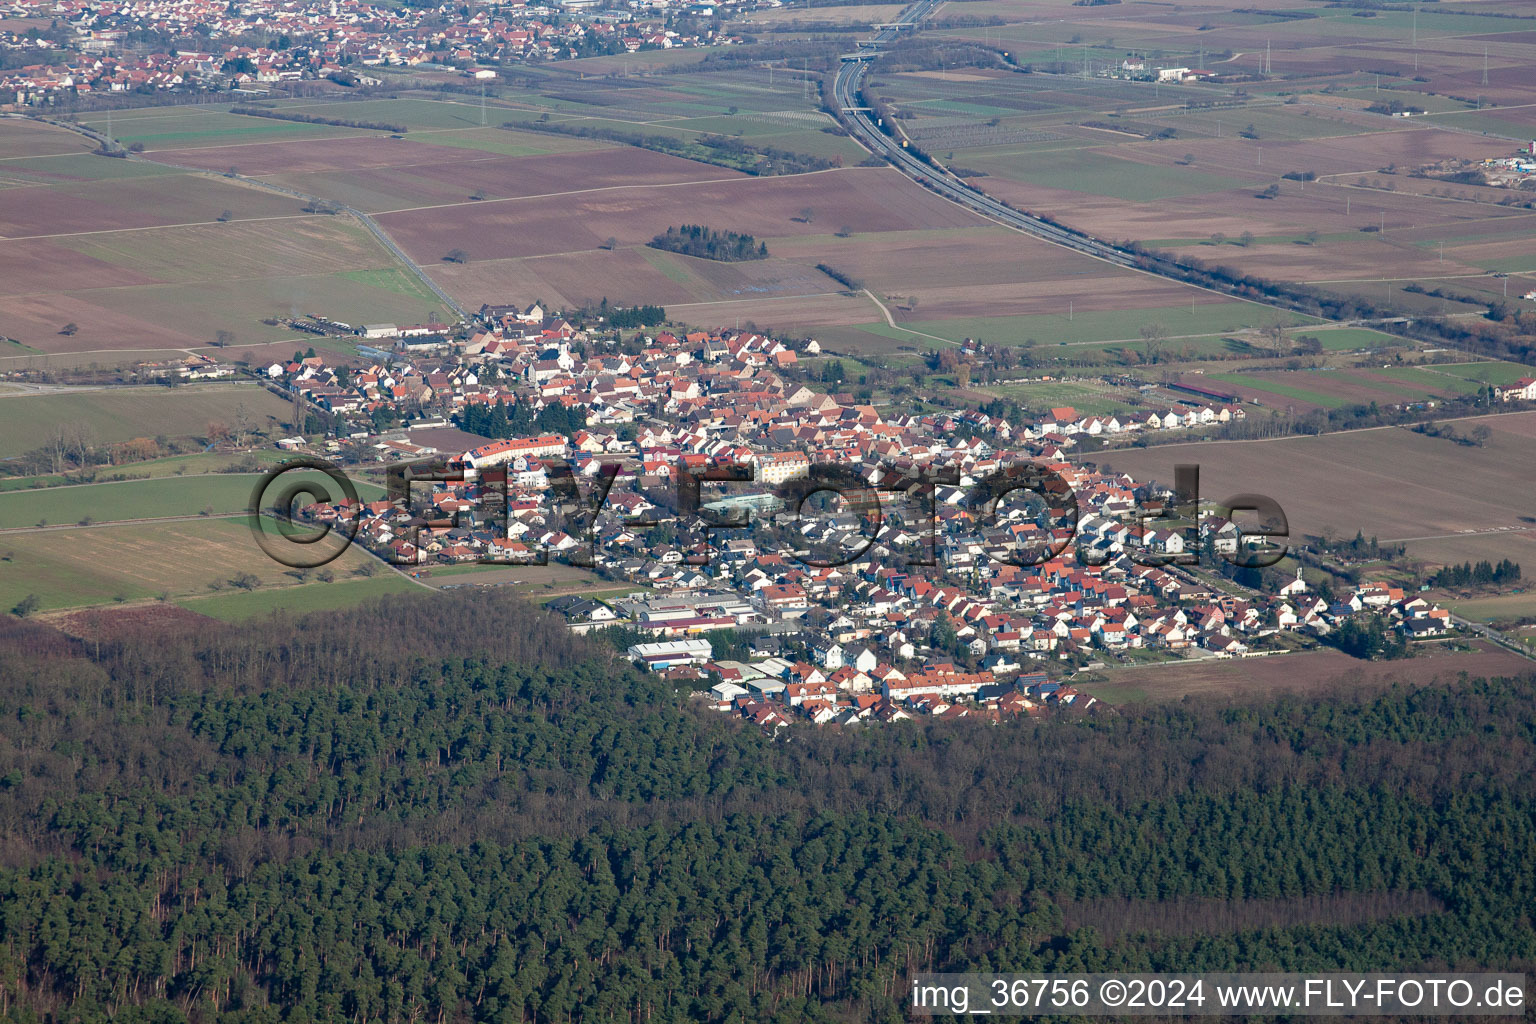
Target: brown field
x: 862, y: 199
x: 380, y: 175
x: 1344, y: 261
x: 1337, y: 155
x: 989, y: 271
x: 133, y: 562
x: 1308, y: 672
x: 1361, y: 388
x: 631, y: 276
x: 148, y: 623
x: 799, y: 313
x: 23, y: 139
x: 852, y: 14
x: 418, y: 174
x: 175, y: 287
x: 38, y: 265
x: 302, y: 157
x: 624, y: 276
x: 36, y: 320
x: 1388, y: 482
x: 152, y: 201
x: 1297, y: 210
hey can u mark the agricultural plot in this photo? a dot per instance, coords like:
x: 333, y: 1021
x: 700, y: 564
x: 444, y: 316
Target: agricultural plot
x: 1186, y: 164
x: 240, y: 605
x: 1088, y: 398
x: 1110, y: 324
x: 1488, y: 372
x: 166, y: 497
x: 1354, y: 339
x: 135, y: 499
x: 1398, y: 485
x: 1279, y: 390
x: 177, y: 287
x: 80, y: 566
x: 20, y: 140
x: 105, y: 416
x: 77, y: 204
x: 1310, y: 672
x: 1332, y: 389
x: 198, y: 464
x: 202, y: 127
x: 863, y: 200
x: 1097, y: 172
x: 1499, y: 609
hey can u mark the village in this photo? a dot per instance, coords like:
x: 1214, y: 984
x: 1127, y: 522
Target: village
x: 336, y: 40
x: 939, y: 604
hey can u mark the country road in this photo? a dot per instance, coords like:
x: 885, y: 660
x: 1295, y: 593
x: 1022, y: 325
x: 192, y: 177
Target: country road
x: 1513, y: 646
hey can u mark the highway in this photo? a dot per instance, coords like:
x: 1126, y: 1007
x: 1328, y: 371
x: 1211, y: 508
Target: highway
x: 846, y: 88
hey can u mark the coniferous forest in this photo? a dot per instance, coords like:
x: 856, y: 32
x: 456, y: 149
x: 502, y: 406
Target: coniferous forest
x: 448, y: 809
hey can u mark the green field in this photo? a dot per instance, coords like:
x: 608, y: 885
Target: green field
x: 1487, y: 373
x: 216, y: 493
x: 171, y: 466
x: 1429, y: 381
x: 396, y: 280
x: 308, y: 597
x: 1349, y: 339
x: 46, y: 170
x: 1499, y: 608
x: 137, y: 499
x: 1097, y: 174
x: 1046, y: 330
x: 1085, y: 398
x: 80, y: 566
x: 1260, y: 382
x: 188, y: 128
x: 121, y: 414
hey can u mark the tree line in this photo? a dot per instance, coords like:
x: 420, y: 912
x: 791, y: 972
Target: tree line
x: 710, y: 244
x: 293, y: 115
x: 721, y: 150
x: 521, y: 421
x: 1482, y: 574
x: 623, y: 316
x: 448, y: 808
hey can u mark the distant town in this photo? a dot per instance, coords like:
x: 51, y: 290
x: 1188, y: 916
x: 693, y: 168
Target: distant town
x: 88, y: 49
